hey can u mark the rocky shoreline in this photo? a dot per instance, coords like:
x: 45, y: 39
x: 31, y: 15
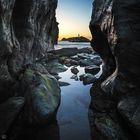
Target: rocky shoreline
x: 115, y: 110
x: 76, y: 39
x: 61, y: 59
x: 29, y: 67
x: 28, y: 29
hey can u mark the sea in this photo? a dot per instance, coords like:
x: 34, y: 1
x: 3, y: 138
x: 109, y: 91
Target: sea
x: 67, y: 44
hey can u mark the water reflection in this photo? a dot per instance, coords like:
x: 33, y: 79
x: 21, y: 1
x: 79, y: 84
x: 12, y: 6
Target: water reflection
x: 72, y: 117
x: 95, y: 92
x: 73, y: 112
x: 67, y: 44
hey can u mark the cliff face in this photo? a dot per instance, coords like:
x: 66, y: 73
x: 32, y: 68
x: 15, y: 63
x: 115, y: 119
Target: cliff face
x: 102, y: 15
x: 116, y: 25
x: 103, y: 32
x: 28, y: 29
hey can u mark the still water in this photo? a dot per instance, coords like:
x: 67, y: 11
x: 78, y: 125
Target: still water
x: 66, y: 44
x: 72, y: 115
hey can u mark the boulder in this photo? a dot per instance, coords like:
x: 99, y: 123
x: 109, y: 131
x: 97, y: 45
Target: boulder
x: 87, y: 78
x: 54, y: 67
x: 75, y: 77
x: 70, y: 51
x: 74, y: 70
x: 96, y: 60
x: 129, y: 108
x: 86, y: 62
x: 42, y: 97
x: 74, y: 62
x: 62, y: 59
x: 57, y: 77
x: 84, y: 56
x: 9, y: 111
x: 75, y: 57
x: 63, y: 84
x: 93, y: 69
x: 68, y: 61
x: 65, y: 51
x: 85, y: 50
x: 107, y: 128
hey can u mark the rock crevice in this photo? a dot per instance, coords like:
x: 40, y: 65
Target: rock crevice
x: 28, y: 30
x: 115, y: 29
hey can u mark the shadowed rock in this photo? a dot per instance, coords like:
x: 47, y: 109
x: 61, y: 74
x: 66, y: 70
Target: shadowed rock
x: 63, y: 84
x: 27, y: 30
x: 115, y: 28
x: 74, y: 70
x: 42, y: 97
x: 93, y: 69
x: 129, y: 109
x: 9, y: 112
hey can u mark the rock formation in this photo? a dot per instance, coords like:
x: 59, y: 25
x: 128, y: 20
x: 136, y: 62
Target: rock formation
x: 28, y: 29
x: 115, y: 29
x: 102, y: 29
x: 76, y: 39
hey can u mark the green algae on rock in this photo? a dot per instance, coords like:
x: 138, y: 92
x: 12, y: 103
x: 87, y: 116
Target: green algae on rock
x: 42, y: 98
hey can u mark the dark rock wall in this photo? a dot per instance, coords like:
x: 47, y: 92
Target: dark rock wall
x: 115, y: 28
x: 103, y: 32
x: 28, y: 29
x: 119, y: 19
x: 102, y: 15
x: 127, y: 50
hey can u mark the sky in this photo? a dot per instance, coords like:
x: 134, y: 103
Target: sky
x: 73, y: 17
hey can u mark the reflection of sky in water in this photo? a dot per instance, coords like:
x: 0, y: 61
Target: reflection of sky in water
x: 73, y: 112
x: 66, y: 44
x: 100, y: 72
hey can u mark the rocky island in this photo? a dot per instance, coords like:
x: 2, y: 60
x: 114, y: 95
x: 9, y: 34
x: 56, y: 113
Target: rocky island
x: 76, y: 39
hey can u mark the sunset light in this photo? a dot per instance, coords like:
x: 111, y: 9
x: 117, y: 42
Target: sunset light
x: 73, y: 17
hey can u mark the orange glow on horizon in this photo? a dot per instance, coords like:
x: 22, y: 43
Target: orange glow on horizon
x: 74, y: 20
x: 68, y: 29
x: 71, y: 35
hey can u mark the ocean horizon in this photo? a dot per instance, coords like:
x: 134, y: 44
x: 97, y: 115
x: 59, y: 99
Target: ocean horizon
x: 67, y: 44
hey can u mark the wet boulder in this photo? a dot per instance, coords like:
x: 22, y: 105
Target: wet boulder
x: 75, y: 77
x: 107, y: 128
x: 75, y: 57
x: 93, y: 69
x: 55, y: 67
x: 68, y: 61
x: 87, y: 50
x: 129, y: 109
x: 9, y: 111
x: 84, y: 56
x: 63, y: 84
x: 66, y: 51
x: 62, y: 59
x: 42, y: 97
x: 74, y: 62
x: 96, y: 59
x: 74, y: 70
x: 85, y: 62
x: 87, y: 78
x: 70, y: 51
x: 89, y: 62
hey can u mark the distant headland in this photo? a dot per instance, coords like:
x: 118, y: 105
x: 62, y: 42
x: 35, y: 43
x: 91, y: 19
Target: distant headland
x: 76, y: 39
